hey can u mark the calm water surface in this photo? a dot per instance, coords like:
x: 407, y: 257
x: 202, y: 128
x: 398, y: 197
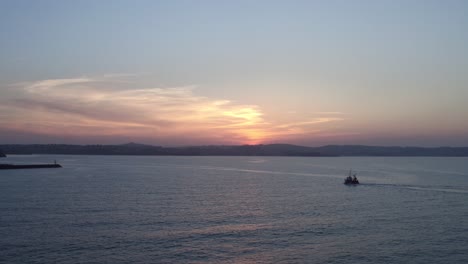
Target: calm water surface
x: 112, y: 209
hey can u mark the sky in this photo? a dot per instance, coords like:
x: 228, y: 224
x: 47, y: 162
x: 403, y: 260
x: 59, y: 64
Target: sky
x: 176, y: 73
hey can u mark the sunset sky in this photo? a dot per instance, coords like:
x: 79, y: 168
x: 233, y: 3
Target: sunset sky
x: 234, y: 72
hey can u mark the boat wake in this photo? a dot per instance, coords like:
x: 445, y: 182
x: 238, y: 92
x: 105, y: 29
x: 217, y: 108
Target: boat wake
x: 447, y: 189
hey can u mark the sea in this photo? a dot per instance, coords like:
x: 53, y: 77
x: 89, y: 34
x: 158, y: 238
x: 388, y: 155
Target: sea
x: 166, y: 209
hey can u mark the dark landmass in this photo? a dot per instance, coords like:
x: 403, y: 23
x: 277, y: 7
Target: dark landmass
x: 28, y: 166
x: 243, y: 150
x: 2, y: 155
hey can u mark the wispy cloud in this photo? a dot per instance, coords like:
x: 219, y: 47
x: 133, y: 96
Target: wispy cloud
x: 331, y: 113
x: 44, y: 85
x: 86, y: 107
x: 310, y: 122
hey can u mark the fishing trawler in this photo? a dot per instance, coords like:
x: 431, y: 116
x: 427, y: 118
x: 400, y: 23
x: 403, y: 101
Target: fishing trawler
x: 351, y: 179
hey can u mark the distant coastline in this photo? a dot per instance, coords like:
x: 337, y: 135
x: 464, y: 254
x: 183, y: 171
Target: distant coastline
x: 235, y: 150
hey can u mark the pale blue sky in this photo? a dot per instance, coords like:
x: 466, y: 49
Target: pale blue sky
x: 396, y: 71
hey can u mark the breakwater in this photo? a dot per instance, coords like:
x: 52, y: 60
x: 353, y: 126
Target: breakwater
x: 28, y: 166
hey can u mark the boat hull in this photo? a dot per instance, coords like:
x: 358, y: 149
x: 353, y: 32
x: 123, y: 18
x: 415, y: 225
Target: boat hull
x: 347, y: 182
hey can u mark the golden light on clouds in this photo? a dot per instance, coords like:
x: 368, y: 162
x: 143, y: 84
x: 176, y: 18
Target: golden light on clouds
x: 87, y: 107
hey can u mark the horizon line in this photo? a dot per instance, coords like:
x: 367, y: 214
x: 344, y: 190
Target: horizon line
x: 237, y: 145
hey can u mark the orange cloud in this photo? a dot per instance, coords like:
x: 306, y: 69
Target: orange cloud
x: 98, y: 106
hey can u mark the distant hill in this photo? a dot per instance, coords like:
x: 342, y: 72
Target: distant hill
x: 359, y: 150
x: 239, y: 150
x: 140, y: 149
x: 2, y: 155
